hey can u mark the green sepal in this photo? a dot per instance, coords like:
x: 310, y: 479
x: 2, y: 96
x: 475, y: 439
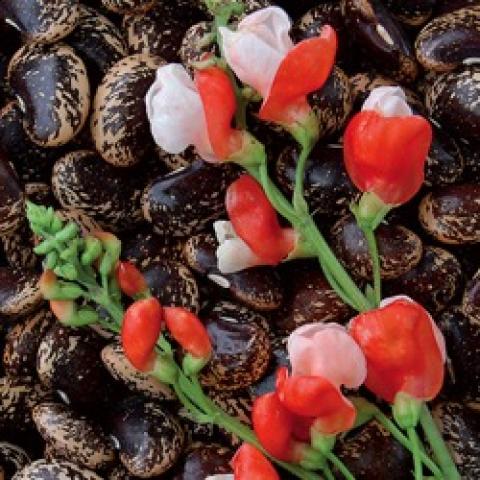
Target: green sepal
x: 92, y: 250
x: 370, y: 294
x: 45, y: 247
x: 67, y: 271
x: 165, y: 369
x: 51, y: 260
x: 69, y: 232
x: 365, y: 411
x: 406, y: 410
x: 56, y: 224
x: 192, y: 365
x: 320, y: 442
x: 86, y: 316
x: 71, y: 252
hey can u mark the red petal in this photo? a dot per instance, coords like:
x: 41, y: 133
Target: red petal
x: 341, y: 419
x: 273, y: 425
x: 386, y: 155
x: 304, y: 70
x: 142, y: 324
x: 249, y: 464
x: 130, y: 279
x: 255, y: 221
x: 219, y: 104
x: 401, y: 350
x: 188, y: 331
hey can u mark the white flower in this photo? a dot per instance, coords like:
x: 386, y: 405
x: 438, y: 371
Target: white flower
x: 233, y: 254
x: 257, y: 48
x: 175, y: 112
x: 388, y: 101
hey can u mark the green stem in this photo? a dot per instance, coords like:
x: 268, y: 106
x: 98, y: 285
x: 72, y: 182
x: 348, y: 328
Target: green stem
x: 341, y: 467
x: 328, y: 473
x: 373, y: 249
x: 404, y: 441
x: 299, y: 203
x: 440, y: 449
x: 417, y: 462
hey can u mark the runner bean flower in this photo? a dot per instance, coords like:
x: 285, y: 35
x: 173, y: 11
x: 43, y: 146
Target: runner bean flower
x: 249, y: 464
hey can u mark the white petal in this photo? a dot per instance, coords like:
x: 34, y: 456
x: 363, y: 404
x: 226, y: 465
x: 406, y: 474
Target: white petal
x: 224, y: 230
x: 223, y: 476
x: 175, y: 112
x: 234, y: 255
x: 255, y: 50
x: 388, y: 101
x: 440, y: 339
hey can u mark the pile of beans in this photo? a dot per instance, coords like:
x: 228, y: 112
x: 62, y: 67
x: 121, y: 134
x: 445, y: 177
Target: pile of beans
x: 74, y: 134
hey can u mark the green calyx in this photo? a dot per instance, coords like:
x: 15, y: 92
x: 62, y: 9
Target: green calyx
x: 406, y: 410
x: 252, y: 153
x: 321, y: 442
x: 370, y: 211
x: 193, y: 365
x: 165, y: 369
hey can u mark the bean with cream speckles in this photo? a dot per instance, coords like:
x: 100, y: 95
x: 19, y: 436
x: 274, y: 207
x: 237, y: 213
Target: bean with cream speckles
x: 433, y: 282
x: 451, y: 214
x: 111, y: 201
x: 11, y: 198
x: 197, y: 41
x: 184, y: 202
x: 459, y: 424
x: 160, y: 31
x: 399, y: 248
x: 43, y: 21
x: 450, y: 40
x: 258, y: 288
x: 462, y: 335
x: 382, y: 40
x: 241, y: 347
x: 19, y: 292
x: 55, y: 470
x: 453, y: 100
x: 128, y: 6
x: 12, y: 458
x: 151, y: 439
x: 73, y: 436
x: 98, y: 42
x: 412, y: 13
x: 308, y: 299
x: 51, y: 84
x: 328, y: 190
x: 119, y: 122
x: 121, y: 369
x: 21, y: 344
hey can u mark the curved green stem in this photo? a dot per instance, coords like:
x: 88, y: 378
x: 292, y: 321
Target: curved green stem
x: 440, y: 449
x: 374, y: 256
x: 417, y: 461
x: 299, y: 203
x: 341, y: 467
x: 328, y: 473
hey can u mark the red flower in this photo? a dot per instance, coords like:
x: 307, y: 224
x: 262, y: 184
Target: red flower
x: 249, y: 464
x: 188, y: 331
x: 130, y: 279
x: 405, y: 351
x: 304, y: 70
x: 142, y: 324
x: 386, y: 155
x: 219, y: 104
x: 255, y: 221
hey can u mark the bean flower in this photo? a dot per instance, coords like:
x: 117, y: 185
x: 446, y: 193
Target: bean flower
x: 184, y: 112
x: 130, y: 280
x: 249, y: 464
x: 404, y: 348
x: 263, y: 56
x: 253, y: 236
x: 386, y: 146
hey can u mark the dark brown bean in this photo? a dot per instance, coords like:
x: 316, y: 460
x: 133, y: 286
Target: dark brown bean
x: 150, y: 438
x: 12, y: 458
x: 328, y: 190
x: 381, y: 38
x: 400, y: 249
x: 128, y: 6
x: 41, y: 21
x: 452, y: 100
x: 258, y: 288
x: 182, y: 203
x: 241, y: 347
x: 360, y: 452
x: 52, y: 88
x: 308, y: 298
x: 122, y: 370
x: 119, y: 121
x: 55, y: 469
x: 21, y: 344
x: 19, y: 292
x: 11, y: 198
x: 411, y: 12
x: 462, y: 335
x: 18, y: 248
x: 460, y: 426
x: 433, y: 282
x: 451, y: 214
x: 198, y: 40
x: 450, y: 40
x: 205, y: 460
x: 471, y: 299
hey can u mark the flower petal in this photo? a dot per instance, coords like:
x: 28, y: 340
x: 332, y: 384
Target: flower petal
x: 255, y: 50
x: 234, y: 255
x: 327, y: 350
x: 304, y: 70
x: 341, y: 418
x: 388, y: 101
x: 175, y: 112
